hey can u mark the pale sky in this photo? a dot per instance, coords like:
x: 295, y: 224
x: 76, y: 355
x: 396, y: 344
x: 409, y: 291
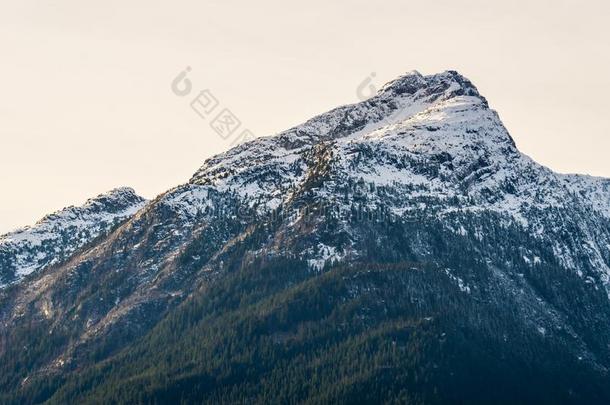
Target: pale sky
x: 86, y: 103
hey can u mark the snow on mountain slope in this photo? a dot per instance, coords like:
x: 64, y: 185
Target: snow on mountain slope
x: 427, y: 156
x: 429, y: 141
x: 56, y: 236
x: 595, y: 190
x: 266, y: 168
x: 440, y: 117
x: 425, y: 148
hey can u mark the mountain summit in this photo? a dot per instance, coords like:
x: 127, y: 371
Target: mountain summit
x: 398, y: 249
x: 55, y: 237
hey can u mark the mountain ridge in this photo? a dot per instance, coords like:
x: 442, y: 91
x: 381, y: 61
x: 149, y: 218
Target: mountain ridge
x: 420, y: 186
x: 33, y: 248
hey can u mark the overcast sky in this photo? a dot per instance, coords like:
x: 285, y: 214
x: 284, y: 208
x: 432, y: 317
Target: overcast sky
x: 87, y: 106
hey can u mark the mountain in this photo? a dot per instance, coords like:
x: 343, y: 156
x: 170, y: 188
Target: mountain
x: 400, y: 249
x: 55, y: 237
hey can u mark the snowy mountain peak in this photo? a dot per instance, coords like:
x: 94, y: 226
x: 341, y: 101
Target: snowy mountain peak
x: 412, y: 101
x: 431, y: 141
x: 57, y: 235
x: 113, y: 201
x: 441, y: 86
x: 411, y: 80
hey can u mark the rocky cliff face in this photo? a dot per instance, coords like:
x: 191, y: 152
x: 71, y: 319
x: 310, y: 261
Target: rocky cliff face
x: 420, y: 185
